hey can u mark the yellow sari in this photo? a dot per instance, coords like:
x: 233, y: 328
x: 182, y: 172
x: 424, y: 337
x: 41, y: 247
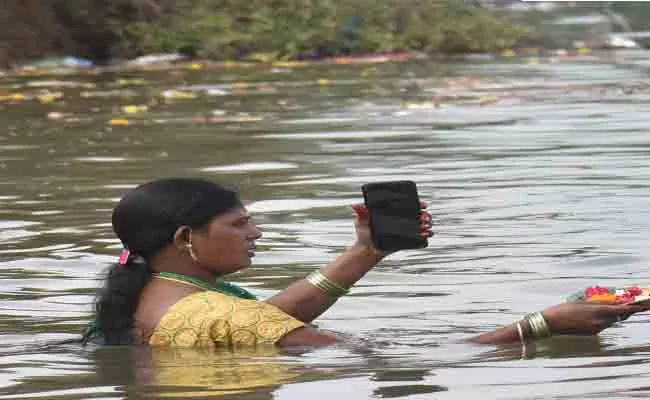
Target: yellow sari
x: 215, y: 319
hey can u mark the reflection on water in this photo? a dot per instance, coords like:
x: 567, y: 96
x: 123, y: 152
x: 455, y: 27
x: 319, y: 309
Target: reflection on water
x: 537, y: 175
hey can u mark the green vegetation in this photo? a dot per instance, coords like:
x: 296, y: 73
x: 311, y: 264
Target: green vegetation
x: 268, y: 29
x: 281, y: 29
x: 289, y: 29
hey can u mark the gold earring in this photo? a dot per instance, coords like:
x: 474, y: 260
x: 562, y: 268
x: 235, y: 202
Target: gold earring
x: 190, y: 249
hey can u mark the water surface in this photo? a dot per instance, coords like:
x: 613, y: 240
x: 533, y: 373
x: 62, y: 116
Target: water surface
x: 537, y: 175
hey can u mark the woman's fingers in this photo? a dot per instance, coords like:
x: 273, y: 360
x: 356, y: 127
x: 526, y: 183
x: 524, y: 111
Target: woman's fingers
x: 627, y: 310
x: 361, y: 212
x: 634, y: 308
x: 426, y: 220
x: 426, y: 223
x: 617, y: 313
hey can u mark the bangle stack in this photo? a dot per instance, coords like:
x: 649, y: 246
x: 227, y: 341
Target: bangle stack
x: 538, y: 325
x: 538, y: 329
x: 328, y: 287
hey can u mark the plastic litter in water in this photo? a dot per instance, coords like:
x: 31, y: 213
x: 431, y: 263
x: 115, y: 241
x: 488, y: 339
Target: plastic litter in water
x: 159, y: 58
x: 16, y: 97
x: 134, y: 109
x: 49, y: 97
x: 178, y: 95
x: 60, y: 62
x: 119, y: 122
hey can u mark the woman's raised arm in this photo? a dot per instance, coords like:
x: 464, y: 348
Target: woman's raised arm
x: 308, y: 298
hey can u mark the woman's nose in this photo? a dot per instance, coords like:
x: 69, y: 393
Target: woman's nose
x: 256, y: 233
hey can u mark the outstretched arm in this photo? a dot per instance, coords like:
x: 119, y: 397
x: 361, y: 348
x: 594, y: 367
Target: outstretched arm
x: 580, y: 318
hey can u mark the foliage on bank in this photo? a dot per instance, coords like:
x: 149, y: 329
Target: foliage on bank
x: 232, y: 29
x: 271, y: 29
x: 288, y: 29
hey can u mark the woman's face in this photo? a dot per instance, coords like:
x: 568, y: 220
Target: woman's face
x: 227, y: 243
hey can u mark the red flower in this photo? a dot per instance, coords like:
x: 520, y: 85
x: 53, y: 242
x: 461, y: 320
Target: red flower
x: 596, y: 290
x: 627, y: 297
x: 635, y: 290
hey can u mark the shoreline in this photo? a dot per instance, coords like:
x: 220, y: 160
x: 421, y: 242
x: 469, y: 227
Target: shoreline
x: 57, y: 65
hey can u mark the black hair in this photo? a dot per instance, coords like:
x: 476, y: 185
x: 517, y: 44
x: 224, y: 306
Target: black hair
x: 145, y: 220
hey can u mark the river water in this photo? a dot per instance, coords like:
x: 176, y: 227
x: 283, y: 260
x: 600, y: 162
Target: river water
x: 537, y: 174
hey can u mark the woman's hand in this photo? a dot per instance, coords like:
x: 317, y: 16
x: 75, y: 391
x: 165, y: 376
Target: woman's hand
x: 579, y: 318
x: 583, y: 318
x: 362, y: 226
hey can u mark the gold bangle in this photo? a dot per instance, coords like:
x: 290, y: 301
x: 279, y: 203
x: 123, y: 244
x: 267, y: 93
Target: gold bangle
x: 538, y: 325
x: 545, y: 330
x: 520, y: 332
x: 330, y: 288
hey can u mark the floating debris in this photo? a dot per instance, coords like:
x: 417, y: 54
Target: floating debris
x: 378, y: 58
x: 195, y: 66
x: 179, y: 95
x: 59, y: 84
x: 208, y: 90
x: 67, y: 117
x: 226, y: 119
x: 427, y: 105
x: 280, y: 70
x: 289, y: 64
x: 58, y: 62
x: 486, y: 100
x: 158, y: 58
x: 49, y: 97
x: 108, y: 93
x: 240, y: 85
x: 130, y: 82
x: 55, y: 115
x: 119, y: 122
x: 134, y: 109
x: 13, y: 97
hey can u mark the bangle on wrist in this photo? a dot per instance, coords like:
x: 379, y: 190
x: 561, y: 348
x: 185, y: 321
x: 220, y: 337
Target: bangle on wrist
x: 328, y: 287
x: 538, y: 325
x: 520, y: 333
x: 522, y: 339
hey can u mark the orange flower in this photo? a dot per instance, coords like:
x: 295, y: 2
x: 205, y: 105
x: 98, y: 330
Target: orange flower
x: 604, y: 297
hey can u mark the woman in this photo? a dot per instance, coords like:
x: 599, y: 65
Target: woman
x: 181, y: 236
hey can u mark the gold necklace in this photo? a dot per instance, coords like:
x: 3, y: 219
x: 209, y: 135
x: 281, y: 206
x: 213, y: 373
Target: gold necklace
x: 166, y: 278
x: 222, y: 287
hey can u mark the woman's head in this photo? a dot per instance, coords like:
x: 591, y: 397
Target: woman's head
x: 194, y: 224
x: 148, y: 217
